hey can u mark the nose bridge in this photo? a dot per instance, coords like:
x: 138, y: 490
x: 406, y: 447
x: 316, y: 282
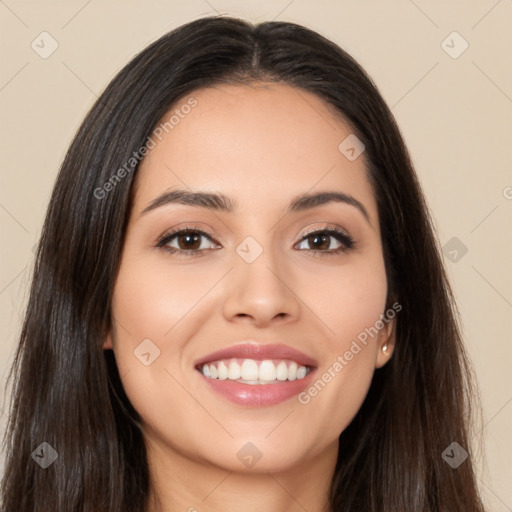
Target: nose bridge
x: 259, y: 286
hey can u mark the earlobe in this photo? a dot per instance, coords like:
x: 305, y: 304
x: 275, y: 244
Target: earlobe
x: 107, y: 344
x: 386, y: 345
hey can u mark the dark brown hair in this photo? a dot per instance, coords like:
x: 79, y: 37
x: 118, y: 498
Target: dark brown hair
x: 67, y: 390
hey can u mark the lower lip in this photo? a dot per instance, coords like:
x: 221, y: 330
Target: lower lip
x: 258, y: 395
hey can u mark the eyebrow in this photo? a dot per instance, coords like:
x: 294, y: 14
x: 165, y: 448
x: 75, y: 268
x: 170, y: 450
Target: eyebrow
x: 222, y: 203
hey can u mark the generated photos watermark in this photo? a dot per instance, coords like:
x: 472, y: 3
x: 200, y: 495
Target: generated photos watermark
x: 343, y: 360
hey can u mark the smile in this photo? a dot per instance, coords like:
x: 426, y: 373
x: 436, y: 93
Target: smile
x: 256, y: 375
x: 251, y: 371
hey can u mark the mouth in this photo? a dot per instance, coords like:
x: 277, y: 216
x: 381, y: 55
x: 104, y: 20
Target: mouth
x: 255, y: 372
x: 251, y: 374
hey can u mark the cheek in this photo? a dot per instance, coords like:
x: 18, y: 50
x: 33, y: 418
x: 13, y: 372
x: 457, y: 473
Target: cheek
x: 145, y: 307
x: 350, y: 305
x: 347, y: 300
x: 154, y: 301
x: 149, y: 302
x: 150, y: 299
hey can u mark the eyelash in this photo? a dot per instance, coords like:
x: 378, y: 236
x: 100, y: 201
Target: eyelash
x: 345, y: 239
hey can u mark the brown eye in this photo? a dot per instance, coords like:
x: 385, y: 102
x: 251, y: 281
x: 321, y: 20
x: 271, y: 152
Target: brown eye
x: 189, y: 241
x: 322, y: 241
x: 186, y: 242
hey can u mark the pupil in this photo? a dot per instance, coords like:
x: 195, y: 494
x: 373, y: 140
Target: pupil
x: 317, y: 240
x: 190, y: 238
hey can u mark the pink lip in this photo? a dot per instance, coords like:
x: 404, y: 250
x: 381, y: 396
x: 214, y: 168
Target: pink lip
x: 259, y: 353
x: 259, y: 395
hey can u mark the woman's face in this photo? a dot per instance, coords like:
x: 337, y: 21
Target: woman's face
x: 277, y: 300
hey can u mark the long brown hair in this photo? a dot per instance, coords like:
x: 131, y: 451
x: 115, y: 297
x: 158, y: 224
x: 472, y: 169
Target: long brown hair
x: 67, y: 391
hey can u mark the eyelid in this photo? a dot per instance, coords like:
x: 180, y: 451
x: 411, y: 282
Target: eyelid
x: 325, y: 227
x: 162, y: 240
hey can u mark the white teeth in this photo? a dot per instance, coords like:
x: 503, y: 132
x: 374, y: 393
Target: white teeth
x: 234, y: 371
x: 223, y: 371
x: 301, y: 372
x: 267, y: 371
x: 249, y: 370
x: 282, y: 371
x: 292, y: 371
x: 255, y: 372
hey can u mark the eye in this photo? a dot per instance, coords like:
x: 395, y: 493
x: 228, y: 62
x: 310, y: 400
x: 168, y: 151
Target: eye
x: 321, y: 241
x: 187, y: 241
x: 191, y: 241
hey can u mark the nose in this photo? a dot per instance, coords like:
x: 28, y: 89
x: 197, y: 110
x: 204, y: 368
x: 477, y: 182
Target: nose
x: 261, y: 292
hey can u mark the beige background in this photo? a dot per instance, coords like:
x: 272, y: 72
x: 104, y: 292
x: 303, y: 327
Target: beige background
x: 455, y: 114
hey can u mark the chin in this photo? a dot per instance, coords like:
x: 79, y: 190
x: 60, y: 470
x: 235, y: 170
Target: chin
x: 257, y: 454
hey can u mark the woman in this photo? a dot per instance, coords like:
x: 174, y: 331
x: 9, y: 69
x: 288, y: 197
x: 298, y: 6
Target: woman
x: 239, y: 299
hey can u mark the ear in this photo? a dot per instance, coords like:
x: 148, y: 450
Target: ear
x: 385, y: 343
x: 107, y: 344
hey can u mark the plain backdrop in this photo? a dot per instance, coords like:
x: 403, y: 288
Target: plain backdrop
x: 443, y: 67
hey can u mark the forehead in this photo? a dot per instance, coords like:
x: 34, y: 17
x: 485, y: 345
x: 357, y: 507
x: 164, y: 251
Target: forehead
x: 262, y: 143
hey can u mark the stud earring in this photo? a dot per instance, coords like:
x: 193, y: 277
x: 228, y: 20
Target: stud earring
x: 385, y: 347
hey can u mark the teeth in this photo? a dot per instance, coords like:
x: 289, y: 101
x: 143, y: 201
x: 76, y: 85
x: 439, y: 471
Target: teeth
x: 301, y: 372
x: 282, y: 371
x: 234, y: 371
x: 251, y: 371
x: 223, y: 371
x: 267, y: 371
x: 292, y: 371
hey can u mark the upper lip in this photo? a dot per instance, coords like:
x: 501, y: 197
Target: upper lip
x: 253, y: 350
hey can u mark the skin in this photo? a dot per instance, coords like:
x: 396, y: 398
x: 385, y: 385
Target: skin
x: 190, y: 306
